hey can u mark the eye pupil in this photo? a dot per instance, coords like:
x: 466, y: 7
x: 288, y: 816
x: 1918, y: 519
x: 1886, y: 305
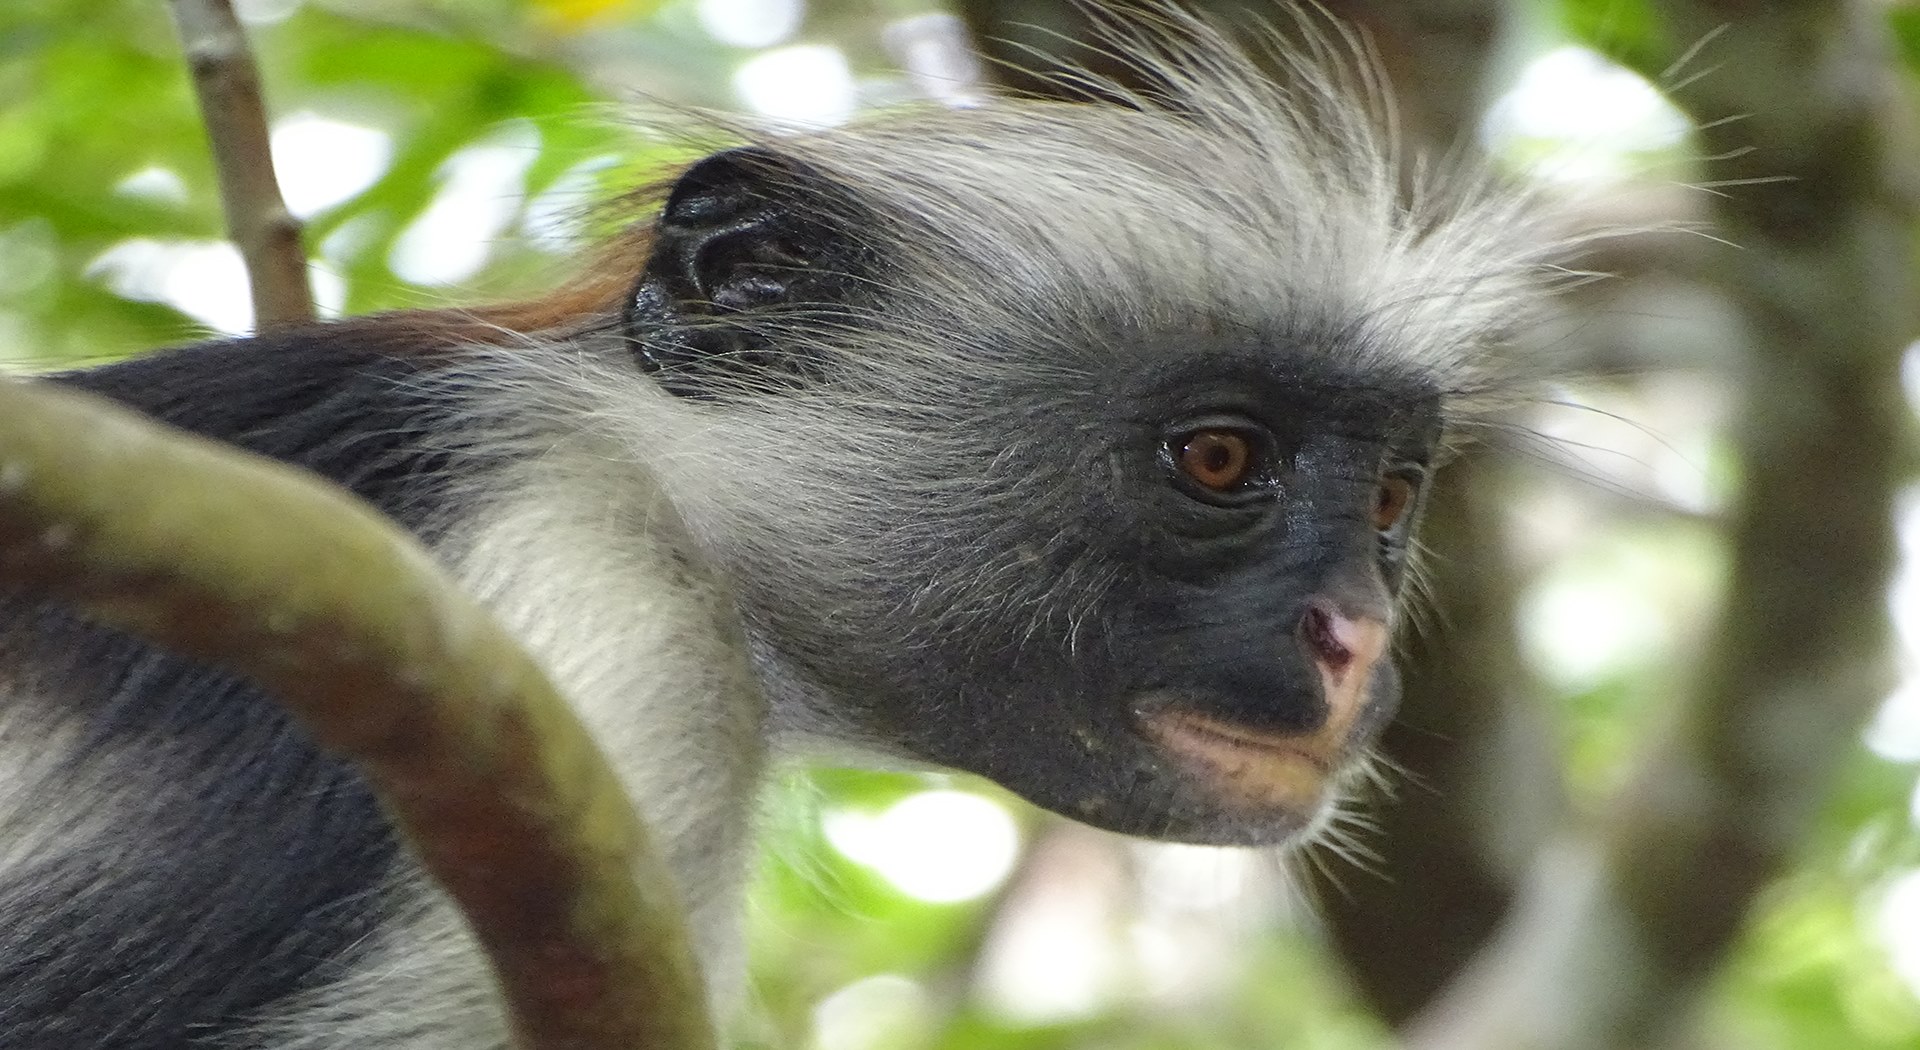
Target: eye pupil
x: 1218, y: 460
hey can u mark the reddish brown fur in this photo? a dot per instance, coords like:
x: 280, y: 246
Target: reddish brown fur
x: 597, y: 291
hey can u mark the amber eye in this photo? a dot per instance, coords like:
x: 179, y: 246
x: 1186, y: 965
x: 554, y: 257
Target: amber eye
x: 1216, y: 460
x: 1390, y: 502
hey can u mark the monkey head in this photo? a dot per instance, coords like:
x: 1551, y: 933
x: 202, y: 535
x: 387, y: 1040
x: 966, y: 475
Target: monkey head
x: 1077, y: 447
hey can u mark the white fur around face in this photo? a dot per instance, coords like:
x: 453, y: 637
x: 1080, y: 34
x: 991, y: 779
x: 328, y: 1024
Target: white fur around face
x: 587, y: 565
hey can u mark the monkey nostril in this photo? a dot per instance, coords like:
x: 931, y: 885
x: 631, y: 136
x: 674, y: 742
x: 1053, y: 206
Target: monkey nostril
x: 1320, y: 628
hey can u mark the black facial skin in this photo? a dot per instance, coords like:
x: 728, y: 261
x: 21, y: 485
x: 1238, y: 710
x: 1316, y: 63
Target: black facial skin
x: 1144, y: 597
x: 1204, y: 605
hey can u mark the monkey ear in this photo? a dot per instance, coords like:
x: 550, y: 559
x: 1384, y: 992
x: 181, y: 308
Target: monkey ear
x: 745, y: 235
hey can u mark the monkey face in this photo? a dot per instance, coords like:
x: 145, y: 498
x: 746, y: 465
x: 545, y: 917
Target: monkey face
x: 1165, y: 611
x: 1241, y: 538
x: 1137, y: 565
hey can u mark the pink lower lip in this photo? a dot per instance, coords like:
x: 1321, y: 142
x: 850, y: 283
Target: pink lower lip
x: 1245, y: 768
x: 1229, y: 735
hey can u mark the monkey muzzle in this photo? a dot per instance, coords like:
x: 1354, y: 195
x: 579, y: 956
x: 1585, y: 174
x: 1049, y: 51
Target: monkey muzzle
x: 1258, y: 769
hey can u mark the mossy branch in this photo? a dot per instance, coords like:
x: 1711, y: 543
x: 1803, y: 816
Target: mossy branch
x: 276, y: 575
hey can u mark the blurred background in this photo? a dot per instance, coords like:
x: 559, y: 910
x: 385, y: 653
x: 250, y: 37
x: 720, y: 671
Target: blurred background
x: 1654, y: 782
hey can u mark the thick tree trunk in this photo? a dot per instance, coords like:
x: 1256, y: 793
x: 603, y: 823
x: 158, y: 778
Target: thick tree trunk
x: 1620, y: 926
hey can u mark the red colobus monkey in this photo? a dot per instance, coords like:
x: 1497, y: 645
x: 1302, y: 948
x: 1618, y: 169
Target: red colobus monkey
x: 1073, y: 445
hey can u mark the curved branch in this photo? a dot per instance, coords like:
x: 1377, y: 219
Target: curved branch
x: 274, y: 574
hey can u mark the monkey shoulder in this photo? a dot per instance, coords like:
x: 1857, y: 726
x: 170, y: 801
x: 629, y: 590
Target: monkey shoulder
x: 363, y: 403
x: 175, y: 854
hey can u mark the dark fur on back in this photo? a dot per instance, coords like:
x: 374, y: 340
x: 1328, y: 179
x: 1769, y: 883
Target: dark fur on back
x: 125, y: 939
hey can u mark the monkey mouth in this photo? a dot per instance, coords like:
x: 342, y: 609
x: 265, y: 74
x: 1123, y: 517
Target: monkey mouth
x: 1248, y: 768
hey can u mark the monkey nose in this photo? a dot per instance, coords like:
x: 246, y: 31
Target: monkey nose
x: 1345, y: 649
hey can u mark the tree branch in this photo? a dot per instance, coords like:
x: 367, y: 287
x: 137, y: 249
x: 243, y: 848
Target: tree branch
x: 228, y: 86
x: 1619, y: 926
x: 271, y: 573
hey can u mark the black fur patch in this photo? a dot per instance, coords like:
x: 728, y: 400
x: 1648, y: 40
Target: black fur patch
x: 247, y: 864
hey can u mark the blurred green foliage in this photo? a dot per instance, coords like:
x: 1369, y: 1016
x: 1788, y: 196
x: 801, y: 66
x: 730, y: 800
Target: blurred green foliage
x: 1629, y: 31
x: 94, y: 91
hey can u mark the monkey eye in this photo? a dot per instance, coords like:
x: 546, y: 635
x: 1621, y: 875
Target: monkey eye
x: 1220, y: 463
x: 1392, y: 499
x: 1219, y: 460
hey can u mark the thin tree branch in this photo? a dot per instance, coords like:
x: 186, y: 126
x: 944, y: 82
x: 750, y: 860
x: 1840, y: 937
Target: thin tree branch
x: 228, y: 86
x: 276, y: 575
